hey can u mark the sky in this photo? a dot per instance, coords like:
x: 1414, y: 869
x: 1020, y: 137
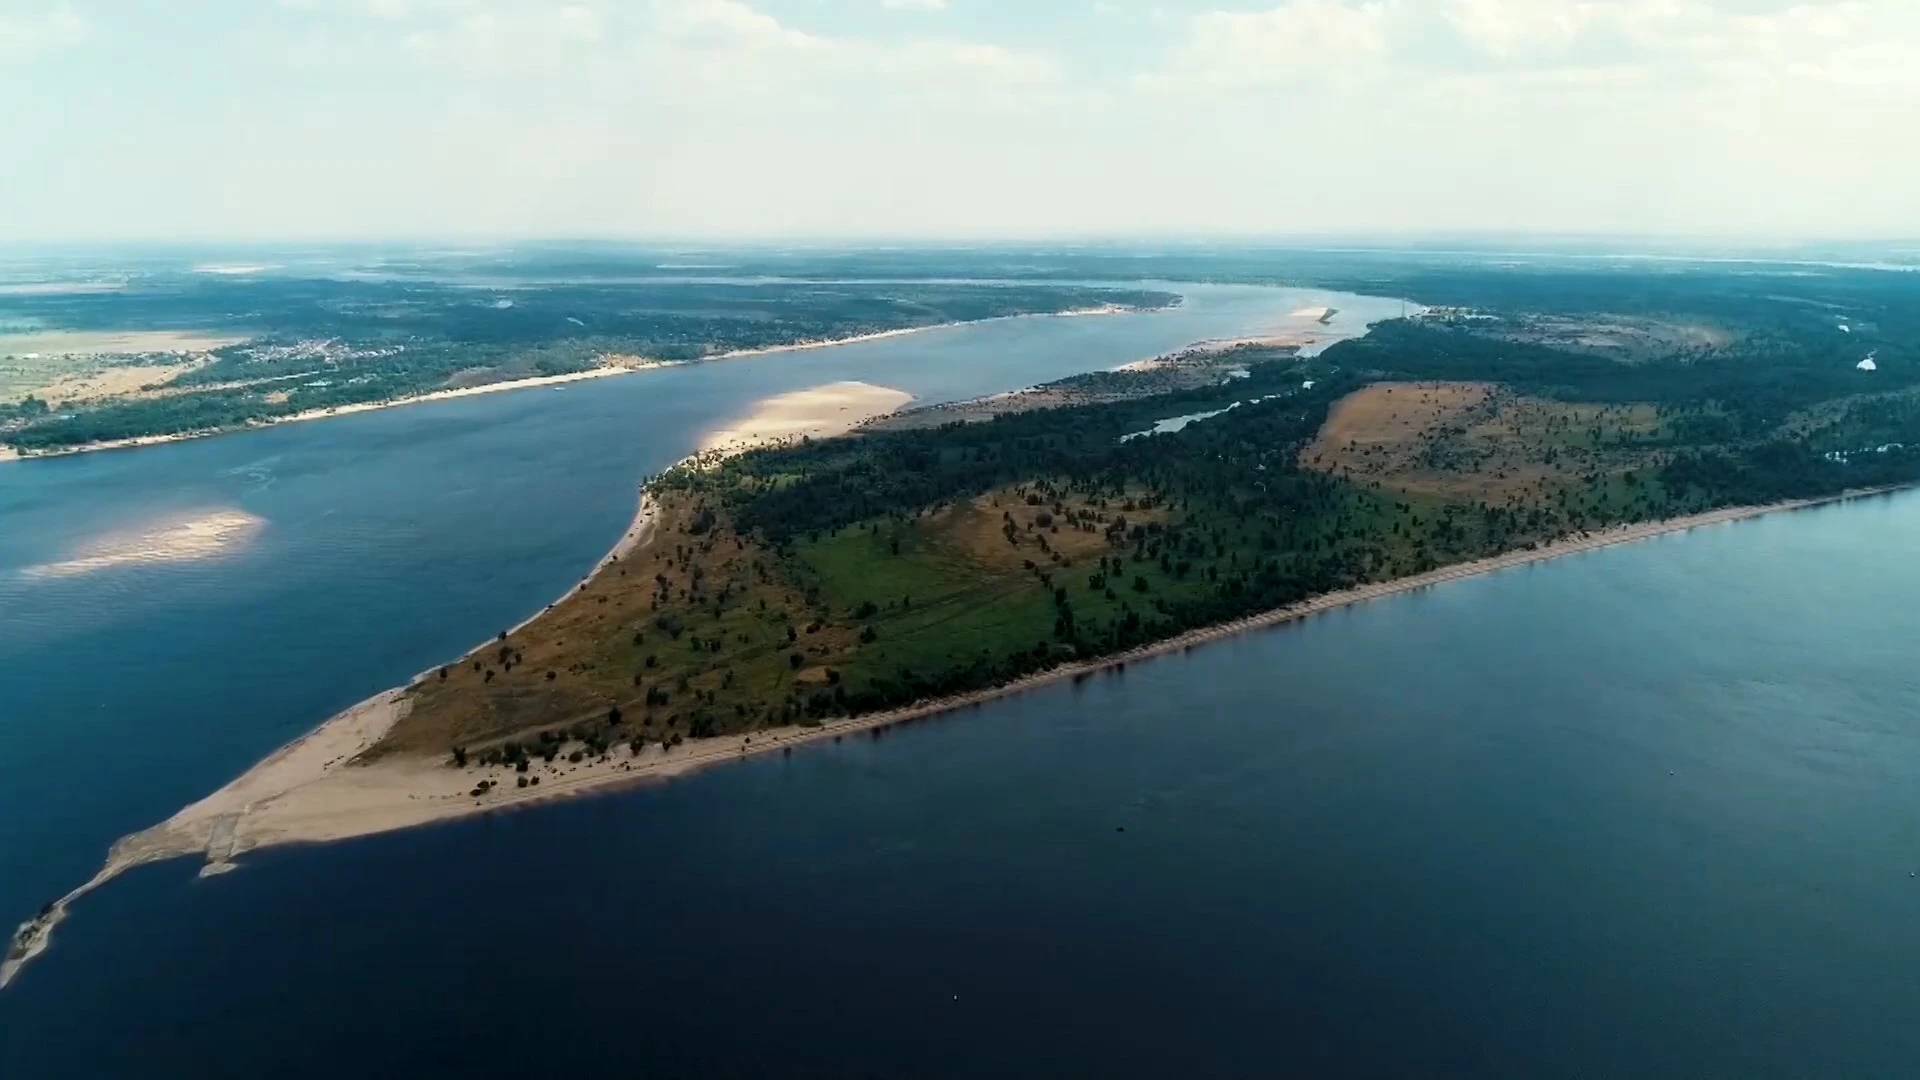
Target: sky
x: 297, y: 120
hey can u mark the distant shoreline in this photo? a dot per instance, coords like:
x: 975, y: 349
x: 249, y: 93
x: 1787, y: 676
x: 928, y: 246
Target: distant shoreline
x: 404, y: 793
x: 8, y: 453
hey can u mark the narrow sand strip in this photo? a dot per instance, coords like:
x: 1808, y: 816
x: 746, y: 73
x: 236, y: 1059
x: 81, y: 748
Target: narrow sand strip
x: 306, y: 793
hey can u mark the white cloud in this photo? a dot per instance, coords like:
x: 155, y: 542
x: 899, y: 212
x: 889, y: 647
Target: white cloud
x: 914, y: 5
x: 1546, y: 42
x: 720, y: 117
x: 728, y: 49
x: 1299, y: 40
x: 54, y: 28
x: 1505, y: 28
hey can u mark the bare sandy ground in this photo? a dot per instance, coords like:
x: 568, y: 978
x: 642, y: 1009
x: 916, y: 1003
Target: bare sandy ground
x: 817, y: 412
x: 108, y: 382
x: 114, y: 342
x: 310, y: 792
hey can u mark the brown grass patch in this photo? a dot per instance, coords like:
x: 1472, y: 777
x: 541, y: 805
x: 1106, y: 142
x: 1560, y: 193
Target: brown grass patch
x: 699, y: 617
x: 1072, y: 527
x: 1477, y: 441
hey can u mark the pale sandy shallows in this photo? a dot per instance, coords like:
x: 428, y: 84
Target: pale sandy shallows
x: 306, y: 792
x: 176, y: 538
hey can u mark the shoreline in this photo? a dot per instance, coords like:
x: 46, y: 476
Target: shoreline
x: 8, y: 453
x: 405, y: 793
x: 904, y: 331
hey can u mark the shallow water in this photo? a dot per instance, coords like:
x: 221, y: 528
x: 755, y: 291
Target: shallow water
x: 1642, y: 811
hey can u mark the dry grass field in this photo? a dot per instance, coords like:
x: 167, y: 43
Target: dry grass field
x: 702, y: 631
x: 1477, y: 441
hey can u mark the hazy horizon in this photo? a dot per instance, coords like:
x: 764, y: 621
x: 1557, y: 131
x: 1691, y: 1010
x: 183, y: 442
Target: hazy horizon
x: 942, y: 121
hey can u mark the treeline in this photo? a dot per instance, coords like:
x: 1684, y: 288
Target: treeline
x: 1735, y: 424
x: 1202, y: 526
x: 661, y: 313
x: 1755, y: 384
x: 823, y: 485
x: 1780, y: 469
x: 386, y: 340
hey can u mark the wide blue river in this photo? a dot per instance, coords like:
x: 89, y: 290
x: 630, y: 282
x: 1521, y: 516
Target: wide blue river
x: 1646, y: 811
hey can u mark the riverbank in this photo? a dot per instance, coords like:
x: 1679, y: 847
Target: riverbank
x: 10, y: 454
x: 308, y: 792
x: 626, y: 366
x: 883, y: 335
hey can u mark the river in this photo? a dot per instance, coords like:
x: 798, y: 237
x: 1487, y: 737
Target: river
x: 1621, y: 813
x: 336, y: 557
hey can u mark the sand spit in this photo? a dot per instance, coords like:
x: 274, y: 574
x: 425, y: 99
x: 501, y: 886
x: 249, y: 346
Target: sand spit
x: 304, y: 791
x: 818, y: 412
x: 307, y: 792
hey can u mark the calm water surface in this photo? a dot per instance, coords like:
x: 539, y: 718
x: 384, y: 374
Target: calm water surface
x: 1644, y: 811
x: 386, y: 542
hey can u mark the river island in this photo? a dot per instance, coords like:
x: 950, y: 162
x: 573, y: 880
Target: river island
x: 833, y: 562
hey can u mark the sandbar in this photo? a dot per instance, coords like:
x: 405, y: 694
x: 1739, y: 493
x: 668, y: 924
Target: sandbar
x: 817, y: 412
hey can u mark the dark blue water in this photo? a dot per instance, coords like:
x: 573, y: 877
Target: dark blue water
x: 1645, y: 811
x: 392, y: 540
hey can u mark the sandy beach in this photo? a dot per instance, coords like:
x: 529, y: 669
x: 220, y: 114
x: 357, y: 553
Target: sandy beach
x: 817, y: 412
x: 307, y: 792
